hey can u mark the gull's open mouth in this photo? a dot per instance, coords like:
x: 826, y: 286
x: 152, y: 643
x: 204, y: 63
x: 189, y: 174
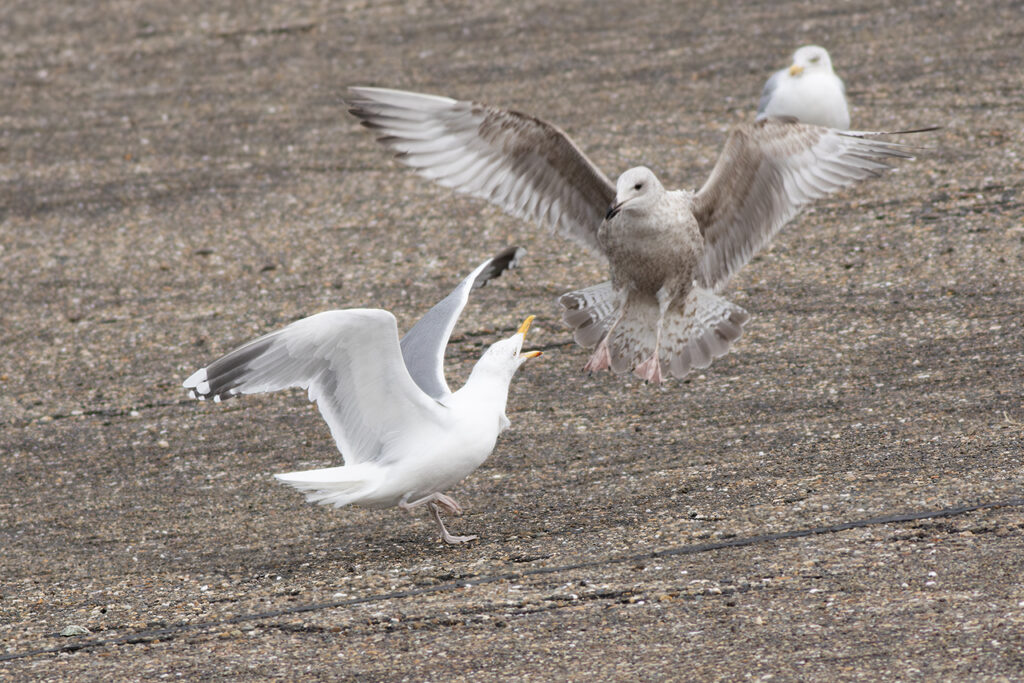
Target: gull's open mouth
x: 522, y: 330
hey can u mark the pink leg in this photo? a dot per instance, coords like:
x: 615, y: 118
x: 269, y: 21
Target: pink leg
x: 650, y: 369
x: 601, y: 359
x: 433, y: 501
x: 447, y: 537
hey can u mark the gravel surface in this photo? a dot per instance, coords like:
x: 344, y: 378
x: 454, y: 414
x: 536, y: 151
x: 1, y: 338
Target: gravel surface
x: 176, y: 178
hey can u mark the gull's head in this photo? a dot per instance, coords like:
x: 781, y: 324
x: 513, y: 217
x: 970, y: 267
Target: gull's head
x: 504, y: 357
x: 810, y: 58
x: 636, y: 190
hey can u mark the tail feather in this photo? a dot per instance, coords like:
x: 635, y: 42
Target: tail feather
x: 705, y: 330
x: 336, y: 486
x: 692, y: 337
x: 632, y: 340
x: 589, y: 312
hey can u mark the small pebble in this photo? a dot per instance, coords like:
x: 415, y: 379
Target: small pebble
x: 75, y: 630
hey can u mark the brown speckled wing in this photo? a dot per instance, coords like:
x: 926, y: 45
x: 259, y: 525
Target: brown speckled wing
x: 524, y: 165
x: 766, y: 173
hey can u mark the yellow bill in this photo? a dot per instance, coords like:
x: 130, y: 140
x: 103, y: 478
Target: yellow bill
x: 522, y: 330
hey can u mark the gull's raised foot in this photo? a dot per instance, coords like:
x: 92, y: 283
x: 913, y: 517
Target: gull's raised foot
x: 649, y: 370
x: 448, y: 503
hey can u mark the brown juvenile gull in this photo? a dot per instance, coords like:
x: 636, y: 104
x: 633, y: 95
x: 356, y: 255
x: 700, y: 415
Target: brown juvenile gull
x: 404, y: 435
x: 808, y: 89
x: 668, y: 251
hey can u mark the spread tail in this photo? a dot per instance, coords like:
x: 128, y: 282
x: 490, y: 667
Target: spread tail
x: 692, y: 336
x: 705, y: 330
x: 589, y: 312
x: 335, y: 486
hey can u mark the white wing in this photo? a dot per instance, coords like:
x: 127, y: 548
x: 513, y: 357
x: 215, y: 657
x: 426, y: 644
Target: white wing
x: 766, y: 173
x: 351, y: 364
x: 423, y: 346
x: 524, y: 165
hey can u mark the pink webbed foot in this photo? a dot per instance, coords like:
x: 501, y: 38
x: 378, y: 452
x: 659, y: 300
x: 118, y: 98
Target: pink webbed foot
x: 649, y: 370
x: 600, y: 360
x: 448, y: 503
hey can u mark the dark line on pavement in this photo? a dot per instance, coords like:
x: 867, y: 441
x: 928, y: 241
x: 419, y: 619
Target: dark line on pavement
x: 161, y: 633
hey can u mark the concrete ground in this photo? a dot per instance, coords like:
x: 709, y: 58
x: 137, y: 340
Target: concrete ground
x: 177, y: 178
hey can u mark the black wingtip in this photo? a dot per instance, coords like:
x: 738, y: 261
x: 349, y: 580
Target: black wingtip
x: 926, y: 129
x: 507, y: 259
x: 877, y: 133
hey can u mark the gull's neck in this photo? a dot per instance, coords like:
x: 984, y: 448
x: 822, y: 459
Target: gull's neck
x: 486, y: 388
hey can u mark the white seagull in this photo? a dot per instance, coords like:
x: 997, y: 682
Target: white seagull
x: 807, y: 90
x: 668, y: 251
x: 404, y: 435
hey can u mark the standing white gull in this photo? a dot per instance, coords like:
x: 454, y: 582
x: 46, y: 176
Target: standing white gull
x: 668, y: 251
x: 807, y: 90
x: 404, y: 435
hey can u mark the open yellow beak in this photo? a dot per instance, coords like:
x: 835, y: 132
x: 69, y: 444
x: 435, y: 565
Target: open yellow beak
x: 796, y: 70
x: 522, y: 330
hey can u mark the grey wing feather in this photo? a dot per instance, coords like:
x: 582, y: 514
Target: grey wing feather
x: 524, y: 165
x: 766, y: 173
x: 424, y: 344
x: 351, y: 365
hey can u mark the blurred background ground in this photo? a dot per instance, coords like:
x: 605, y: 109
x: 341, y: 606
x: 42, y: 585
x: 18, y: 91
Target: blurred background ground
x: 176, y: 178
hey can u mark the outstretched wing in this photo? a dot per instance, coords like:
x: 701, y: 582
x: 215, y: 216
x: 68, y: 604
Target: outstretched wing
x: 424, y: 344
x: 350, y: 363
x: 524, y: 165
x: 766, y: 173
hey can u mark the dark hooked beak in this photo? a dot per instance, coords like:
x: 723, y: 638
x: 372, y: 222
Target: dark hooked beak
x: 613, y: 211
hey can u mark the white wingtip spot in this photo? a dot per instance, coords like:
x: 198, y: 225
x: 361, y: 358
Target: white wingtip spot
x: 216, y: 399
x: 195, y: 378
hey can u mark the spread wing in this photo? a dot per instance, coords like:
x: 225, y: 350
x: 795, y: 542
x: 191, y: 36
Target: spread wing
x: 423, y: 346
x: 766, y: 173
x: 524, y: 165
x: 350, y: 363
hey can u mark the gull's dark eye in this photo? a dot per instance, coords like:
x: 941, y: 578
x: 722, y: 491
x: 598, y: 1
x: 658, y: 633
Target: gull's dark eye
x: 815, y: 60
x: 638, y: 186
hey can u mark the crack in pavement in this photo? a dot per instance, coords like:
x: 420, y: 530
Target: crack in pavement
x: 692, y: 549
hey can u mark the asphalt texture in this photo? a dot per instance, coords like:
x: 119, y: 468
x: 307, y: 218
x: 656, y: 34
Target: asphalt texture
x: 838, y: 498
